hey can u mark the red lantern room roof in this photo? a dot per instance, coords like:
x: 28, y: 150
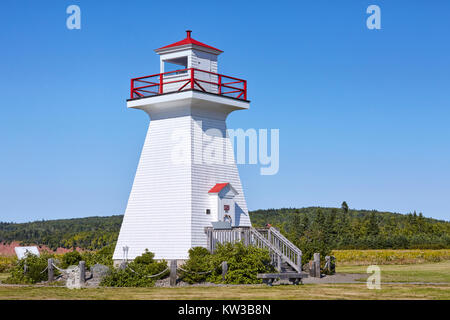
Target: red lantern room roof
x: 188, y: 40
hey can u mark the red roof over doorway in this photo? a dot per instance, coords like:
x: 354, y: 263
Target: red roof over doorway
x: 218, y: 187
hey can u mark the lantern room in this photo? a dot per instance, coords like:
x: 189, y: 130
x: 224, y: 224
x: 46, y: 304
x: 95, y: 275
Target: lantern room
x: 188, y: 65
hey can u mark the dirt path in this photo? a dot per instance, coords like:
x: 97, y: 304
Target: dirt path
x: 337, y: 278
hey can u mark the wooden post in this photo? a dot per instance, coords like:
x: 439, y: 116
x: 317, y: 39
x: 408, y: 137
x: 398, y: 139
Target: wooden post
x: 211, y: 235
x: 279, y: 263
x: 312, y: 269
x: 224, y: 269
x: 299, y: 262
x: 51, y: 273
x: 328, y: 263
x: 173, y: 272
x: 82, y: 267
x: 208, y: 239
x: 317, y: 264
x: 333, y: 264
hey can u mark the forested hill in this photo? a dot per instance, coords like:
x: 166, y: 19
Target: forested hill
x: 345, y: 228
x: 338, y: 227
x: 87, y: 233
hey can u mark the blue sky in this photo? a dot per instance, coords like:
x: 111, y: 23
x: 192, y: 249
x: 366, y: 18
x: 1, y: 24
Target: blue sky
x: 363, y: 114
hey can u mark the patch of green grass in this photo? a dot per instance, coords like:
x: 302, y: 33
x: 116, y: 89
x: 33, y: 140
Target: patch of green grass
x: 250, y: 292
x: 3, y: 276
x: 431, y: 272
x: 428, y: 272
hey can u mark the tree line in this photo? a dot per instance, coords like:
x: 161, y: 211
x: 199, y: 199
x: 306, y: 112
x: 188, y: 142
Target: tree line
x: 324, y: 229
x: 88, y: 233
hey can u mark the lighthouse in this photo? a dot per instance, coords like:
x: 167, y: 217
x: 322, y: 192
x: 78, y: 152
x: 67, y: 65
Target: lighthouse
x: 186, y: 179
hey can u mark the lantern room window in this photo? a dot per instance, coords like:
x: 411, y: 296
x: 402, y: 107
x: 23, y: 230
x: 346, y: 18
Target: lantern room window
x: 176, y: 64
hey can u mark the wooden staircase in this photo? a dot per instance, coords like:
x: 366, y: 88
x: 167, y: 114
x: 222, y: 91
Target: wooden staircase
x: 285, y: 256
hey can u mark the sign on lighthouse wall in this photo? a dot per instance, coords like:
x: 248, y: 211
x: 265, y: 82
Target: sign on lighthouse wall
x: 181, y: 185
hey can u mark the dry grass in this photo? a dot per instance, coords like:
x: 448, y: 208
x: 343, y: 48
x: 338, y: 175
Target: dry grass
x: 316, y: 291
x: 3, y: 276
x: 6, y: 263
x: 385, y: 256
x: 428, y: 272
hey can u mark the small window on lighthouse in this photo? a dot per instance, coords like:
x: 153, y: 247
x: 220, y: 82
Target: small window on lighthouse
x: 174, y: 65
x: 208, y: 211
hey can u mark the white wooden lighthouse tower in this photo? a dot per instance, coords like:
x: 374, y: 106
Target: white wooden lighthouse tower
x: 187, y: 177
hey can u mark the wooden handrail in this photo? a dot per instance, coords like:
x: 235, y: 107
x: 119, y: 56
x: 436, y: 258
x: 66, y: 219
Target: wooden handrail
x: 279, y: 247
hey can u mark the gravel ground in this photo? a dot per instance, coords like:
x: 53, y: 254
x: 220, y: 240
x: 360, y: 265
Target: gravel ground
x: 337, y: 278
x: 165, y: 283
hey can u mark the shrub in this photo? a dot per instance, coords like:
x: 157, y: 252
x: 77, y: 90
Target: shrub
x: 7, y: 263
x: 197, y: 265
x: 310, y: 247
x: 71, y: 259
x: 102, y: 256
x: 30, y: 270
x: 244, y: 263
x: 137, y: 273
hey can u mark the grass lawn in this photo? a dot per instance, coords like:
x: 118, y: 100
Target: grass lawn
x: 312, y: 291
x: 428, y: 272
x: 3, y: 276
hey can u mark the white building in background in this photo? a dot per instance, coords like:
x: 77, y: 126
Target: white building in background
x: 187, y: 177
x: 22, y: 252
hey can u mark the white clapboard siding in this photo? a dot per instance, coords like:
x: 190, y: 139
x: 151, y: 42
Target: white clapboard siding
x: 205, y: 176
x: 175, y: 86
x: 158, y: 214
x: 166, y: 211
x: 208, y: 62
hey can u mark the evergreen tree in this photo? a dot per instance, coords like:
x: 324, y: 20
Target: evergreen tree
x: 344, y: 206
x: 372, y: 225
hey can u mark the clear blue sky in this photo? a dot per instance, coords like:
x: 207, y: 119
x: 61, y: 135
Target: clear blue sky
x: 363, y: 114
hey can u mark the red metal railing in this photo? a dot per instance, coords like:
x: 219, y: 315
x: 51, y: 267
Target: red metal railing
x: 188, y: 79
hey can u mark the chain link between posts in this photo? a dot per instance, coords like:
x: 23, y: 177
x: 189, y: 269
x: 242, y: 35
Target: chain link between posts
x: 59, y: 269
x: 152, y: 276
x: 205, y: 272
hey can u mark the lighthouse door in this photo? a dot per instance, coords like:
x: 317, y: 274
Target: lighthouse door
x: 203, y: 64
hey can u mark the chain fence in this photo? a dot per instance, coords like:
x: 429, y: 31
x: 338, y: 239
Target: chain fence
x: 152, y: 276
x: 204, y: 272
x: 143, y: 275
